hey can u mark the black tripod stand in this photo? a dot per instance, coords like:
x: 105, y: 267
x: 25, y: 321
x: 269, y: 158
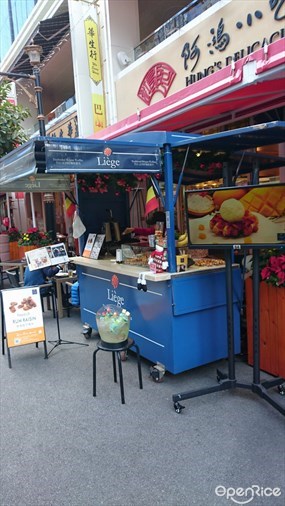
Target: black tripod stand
x: 60, y: 341
x: 227, y: 382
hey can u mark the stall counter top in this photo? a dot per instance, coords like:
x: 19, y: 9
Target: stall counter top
x: 134, y: 270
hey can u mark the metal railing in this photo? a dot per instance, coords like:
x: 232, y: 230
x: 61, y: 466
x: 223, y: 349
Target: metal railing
x: 194, y: 9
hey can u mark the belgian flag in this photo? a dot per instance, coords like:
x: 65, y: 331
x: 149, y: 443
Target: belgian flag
x: 69, y: 207
x: 152, y: 201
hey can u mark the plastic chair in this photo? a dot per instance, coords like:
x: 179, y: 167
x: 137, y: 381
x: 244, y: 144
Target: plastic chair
x: 14, y: 278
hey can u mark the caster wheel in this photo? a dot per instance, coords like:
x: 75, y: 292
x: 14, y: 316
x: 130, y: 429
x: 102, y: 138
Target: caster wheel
x: 87, y: 331
x: 281, y: 389
x: 178, y: 407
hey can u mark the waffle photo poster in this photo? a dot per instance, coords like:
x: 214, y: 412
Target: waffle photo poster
x: 46, y: 256
x: 245, y: 215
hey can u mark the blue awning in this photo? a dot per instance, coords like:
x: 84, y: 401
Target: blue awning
x: 19, y: 163
x: 134, y: 152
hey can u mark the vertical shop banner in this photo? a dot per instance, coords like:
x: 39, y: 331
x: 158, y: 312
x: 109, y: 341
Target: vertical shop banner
x: 23, y: 316
x: 85, y: 34
x: 93, y: 49
x: 98, y: 107
x: 95, y: 73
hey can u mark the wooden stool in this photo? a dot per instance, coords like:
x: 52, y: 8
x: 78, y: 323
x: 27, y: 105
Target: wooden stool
x: 116, y: 350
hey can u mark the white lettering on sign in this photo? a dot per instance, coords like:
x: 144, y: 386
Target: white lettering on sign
x: 29, y: 186
x: 113, y: 297
x: 105, y: 161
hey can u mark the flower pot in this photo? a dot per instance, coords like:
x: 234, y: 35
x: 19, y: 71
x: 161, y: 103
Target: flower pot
x: 272, y: 327
x: 14, y: 250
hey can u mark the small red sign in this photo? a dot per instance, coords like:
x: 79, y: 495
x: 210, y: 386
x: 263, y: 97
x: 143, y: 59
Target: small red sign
x: 115, y: 281
x: 107, y: 151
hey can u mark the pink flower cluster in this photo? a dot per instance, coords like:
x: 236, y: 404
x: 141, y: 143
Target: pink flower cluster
x: 274, y: 272
x: 102, y: 183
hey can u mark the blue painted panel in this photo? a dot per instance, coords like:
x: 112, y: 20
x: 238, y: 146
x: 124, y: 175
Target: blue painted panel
x: 179, y: 341
x: 204, y: 290
x: 151, y: 311
x: 201, y: 337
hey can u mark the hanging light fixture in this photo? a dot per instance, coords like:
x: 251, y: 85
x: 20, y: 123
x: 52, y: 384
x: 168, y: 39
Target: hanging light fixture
x: 34, y: 52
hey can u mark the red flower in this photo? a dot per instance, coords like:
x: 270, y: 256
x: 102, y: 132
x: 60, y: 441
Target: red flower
x: 274, y: 271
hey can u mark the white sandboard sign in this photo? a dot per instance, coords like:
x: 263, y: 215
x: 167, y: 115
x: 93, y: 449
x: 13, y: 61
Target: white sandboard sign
x: 23, y: 316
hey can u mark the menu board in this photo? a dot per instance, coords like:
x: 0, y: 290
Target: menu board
x: 89, y: 245
x: 97, y: 246
x: 244, y: 216
x: 47, y: 256
x: 23, y: 316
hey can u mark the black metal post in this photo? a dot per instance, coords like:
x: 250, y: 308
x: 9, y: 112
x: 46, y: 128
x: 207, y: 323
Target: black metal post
x: 39, y: 90
x: 50, y: 214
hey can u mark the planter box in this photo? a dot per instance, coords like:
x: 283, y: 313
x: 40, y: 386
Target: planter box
x: 14, y: 249
x: 272, y: 327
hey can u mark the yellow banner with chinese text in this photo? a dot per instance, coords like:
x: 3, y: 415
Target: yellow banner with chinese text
x: 93, y: 50
x: 98, y: 106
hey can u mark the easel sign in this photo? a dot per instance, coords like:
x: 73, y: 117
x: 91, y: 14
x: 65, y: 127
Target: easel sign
x: 23, y: 317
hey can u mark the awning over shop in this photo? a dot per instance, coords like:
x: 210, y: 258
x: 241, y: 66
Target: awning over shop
x: 49, y: 155
x: 254, y: 84
x: 47, y: 34
x: 20, y: 162
x: 229, y: 141
x: 137, y: 152
x: 39, y: 183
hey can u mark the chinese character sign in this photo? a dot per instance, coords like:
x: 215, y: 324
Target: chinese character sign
x: 98, y: 111
x: 93, y: 50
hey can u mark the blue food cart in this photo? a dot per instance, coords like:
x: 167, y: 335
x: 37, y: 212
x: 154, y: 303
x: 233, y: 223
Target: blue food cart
x: 181, y: 319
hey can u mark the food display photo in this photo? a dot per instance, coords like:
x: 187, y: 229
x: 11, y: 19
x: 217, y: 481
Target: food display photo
x: 249, y: 215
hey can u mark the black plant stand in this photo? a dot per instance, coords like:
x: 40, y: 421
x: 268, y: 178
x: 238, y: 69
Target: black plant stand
x: 228, y: 382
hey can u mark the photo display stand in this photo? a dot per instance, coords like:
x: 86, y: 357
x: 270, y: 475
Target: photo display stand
x: 21, y: 319
x: 229, y: 381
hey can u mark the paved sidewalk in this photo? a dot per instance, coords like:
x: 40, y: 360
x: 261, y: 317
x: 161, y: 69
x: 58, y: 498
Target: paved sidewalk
x: 62, y: 447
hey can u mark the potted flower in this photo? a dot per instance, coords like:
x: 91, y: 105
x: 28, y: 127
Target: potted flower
x: 33, y: 239
x: 272, y: 264
x: 272, y: 310
x: 14, y: 235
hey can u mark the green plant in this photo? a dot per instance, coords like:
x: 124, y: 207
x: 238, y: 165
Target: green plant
x: 11, y: 132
